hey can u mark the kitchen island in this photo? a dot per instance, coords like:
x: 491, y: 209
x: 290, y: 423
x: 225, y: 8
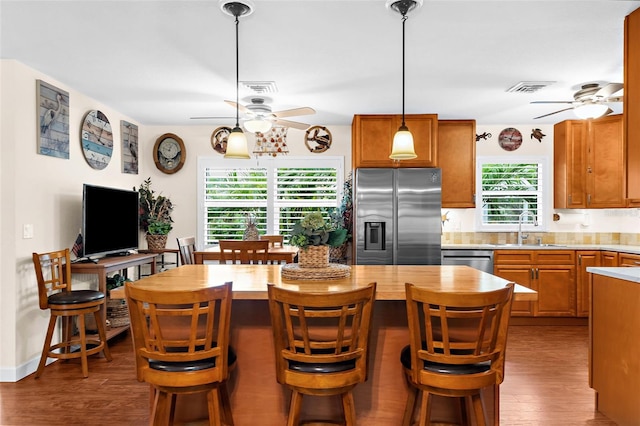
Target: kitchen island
x: 255, y: 393
x: 614, y: 342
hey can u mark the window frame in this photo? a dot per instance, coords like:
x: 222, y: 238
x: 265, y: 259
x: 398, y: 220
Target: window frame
x: 544, y: 199
x: 270, y: 163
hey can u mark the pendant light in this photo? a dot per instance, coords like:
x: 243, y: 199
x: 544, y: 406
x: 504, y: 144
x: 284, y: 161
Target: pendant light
x: 402, y: 148
x: 237, y: 140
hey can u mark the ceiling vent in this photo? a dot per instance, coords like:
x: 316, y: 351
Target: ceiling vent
x: 529, y: 86
x: 260, y: 87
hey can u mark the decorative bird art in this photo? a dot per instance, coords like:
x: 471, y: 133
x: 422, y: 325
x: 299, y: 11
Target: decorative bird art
x: 537, y: 133
x: 50, y: 115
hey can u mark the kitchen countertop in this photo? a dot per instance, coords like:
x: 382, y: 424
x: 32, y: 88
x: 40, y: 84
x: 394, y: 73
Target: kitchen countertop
x: 607, y: 247
x: 622, y: 273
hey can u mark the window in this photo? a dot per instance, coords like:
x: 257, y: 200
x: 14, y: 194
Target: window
x: 276, y: 192
x: 507, y: 188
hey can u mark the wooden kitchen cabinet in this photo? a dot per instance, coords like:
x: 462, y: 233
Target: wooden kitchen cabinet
x: 609, y: 259
x: 632, y: 105
x: 584, y: 259
x: 457, y: 159
x: 628, y: 259
x: 550, y: 272
x: 372, y: 137
x: 589, y: 163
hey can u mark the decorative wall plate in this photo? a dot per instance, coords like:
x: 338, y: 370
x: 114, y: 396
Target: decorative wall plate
x: 169, y: 153
x: 219, y: 139
x: 317, y: 139
x: 510, y: 139
x: 97, y: 139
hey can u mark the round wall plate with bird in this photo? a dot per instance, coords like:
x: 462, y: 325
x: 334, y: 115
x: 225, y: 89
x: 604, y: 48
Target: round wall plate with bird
x: 317, y: 139
x: 219, y: 139
x: 97, y: 139
x: 169, y: 153
x: 510, y: 139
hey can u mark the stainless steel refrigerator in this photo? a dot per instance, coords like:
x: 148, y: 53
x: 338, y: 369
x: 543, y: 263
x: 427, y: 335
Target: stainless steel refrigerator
x: 397, y: 216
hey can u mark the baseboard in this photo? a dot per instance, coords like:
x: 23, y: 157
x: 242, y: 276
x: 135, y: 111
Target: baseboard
x: 548, y: 321
x: 12, y: 375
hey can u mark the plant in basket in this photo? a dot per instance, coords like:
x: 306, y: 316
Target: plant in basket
x: 315, y: 235
x: 155, y: 215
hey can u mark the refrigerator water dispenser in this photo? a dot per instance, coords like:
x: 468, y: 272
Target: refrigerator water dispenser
x: 374, y: 236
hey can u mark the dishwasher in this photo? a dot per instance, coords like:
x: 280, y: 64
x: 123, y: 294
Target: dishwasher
x: 478, y: 259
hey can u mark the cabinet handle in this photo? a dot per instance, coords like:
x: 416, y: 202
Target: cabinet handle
x: 533, y: 275
x: 579, y: 260
x: 569, y: 200
x: 537, y: 273
x: 588, y: 199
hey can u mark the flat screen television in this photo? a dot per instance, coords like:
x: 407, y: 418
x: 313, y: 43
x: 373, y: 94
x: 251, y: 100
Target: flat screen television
x: 109, y: 221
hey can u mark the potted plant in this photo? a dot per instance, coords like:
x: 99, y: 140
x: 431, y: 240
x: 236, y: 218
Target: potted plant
x: 315, y: 235
x: 155, y: 216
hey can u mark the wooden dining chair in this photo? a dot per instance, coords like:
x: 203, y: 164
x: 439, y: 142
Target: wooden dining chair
x: 181, y: 346
x: 187, y: 245
x: 274, y: 240
x: 53, y: 273
x: 244, y: 251
x: 321, y: 344
x: 457, y: 347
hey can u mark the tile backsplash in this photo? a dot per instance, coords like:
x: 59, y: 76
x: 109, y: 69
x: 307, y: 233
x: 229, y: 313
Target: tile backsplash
x: 609, y: 238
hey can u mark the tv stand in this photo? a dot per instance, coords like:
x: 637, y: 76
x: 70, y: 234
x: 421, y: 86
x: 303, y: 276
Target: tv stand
x: 101, y: 267
x: 119, y: 254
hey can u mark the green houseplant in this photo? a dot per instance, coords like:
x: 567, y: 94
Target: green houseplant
x: 315, y: 235
x: 155, y: 215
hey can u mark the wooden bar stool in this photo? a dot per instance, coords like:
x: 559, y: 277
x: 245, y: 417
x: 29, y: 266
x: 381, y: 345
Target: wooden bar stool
x: 53, y: 273
x: 321, y: 343
x: 457, y: 347
x: 241, y: 251
x: 181, y: 346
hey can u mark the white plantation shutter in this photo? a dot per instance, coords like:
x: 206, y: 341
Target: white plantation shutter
x: 507, y: 188
x: 277, y: 192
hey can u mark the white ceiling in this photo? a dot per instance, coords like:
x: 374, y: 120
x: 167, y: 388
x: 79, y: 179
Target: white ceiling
x: 162, y: 62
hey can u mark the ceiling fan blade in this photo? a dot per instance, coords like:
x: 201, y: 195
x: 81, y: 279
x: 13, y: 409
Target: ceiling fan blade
x: 294, y: 111
x: 609, y: 111
x: 551, y: 113
x: 614, y: 99
x: 241, y: 108
x: 551, y: 102
x: 294, y: 124
x: 608, y: 90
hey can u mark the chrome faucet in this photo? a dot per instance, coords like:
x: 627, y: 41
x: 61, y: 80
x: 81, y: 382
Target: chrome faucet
x: 522, y: 236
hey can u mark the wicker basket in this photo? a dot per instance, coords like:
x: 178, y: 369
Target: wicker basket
x: 156, y: 242
x: 338, y: 254
x: 314, y: 257
x: 117, y: 312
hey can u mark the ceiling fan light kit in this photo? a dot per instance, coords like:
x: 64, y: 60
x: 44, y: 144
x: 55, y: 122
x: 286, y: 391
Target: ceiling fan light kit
x: 590, y: 110
x: 237, y: 141
x: 257, y: 125
x: 402, y: 148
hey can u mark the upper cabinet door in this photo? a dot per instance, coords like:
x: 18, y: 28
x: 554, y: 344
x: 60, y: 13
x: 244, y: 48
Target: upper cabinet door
x: 457, y: 159
x: 372, y: 137
x: 632, y: 105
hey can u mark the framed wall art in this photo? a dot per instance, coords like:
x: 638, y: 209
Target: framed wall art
x: 510, y: 139
x: 53, y: 120
x: 97, y: 139
x: 129, y: 136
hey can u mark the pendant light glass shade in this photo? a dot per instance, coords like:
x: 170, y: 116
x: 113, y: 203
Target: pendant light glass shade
x: 402, y: 148
x: 590, y: 111
x: 256, y: 125
x: 237, y: 145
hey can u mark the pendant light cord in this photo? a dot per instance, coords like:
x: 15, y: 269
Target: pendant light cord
x: 404, y: 19
x: 238, y: 77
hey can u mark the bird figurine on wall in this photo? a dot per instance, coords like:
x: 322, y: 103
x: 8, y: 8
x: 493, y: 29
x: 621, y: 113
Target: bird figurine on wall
x: 50, y: 115
x: 537, y: 133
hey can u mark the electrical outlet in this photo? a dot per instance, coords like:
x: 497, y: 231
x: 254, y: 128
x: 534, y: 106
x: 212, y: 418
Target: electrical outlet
x: 27, y: 231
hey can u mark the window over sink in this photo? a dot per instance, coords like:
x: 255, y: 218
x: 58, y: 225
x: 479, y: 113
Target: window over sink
x: 507, y: 187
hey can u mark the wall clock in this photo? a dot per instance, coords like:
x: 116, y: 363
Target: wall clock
x: 219, y: 139
x: 510, y: 139
x: 97, y: 139
x: 169, y: 153
x: 317, y: 139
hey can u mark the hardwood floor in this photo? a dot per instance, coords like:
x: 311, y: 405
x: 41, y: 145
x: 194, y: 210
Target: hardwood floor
x: 546, y: 383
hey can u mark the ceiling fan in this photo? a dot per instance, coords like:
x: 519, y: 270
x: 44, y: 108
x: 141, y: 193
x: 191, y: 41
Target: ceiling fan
x: 258, y: 109
x: 590, y: 101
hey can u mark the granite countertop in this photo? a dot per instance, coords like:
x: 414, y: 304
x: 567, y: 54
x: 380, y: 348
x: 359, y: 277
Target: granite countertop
x: 609, y: 247
x: 622, y: 273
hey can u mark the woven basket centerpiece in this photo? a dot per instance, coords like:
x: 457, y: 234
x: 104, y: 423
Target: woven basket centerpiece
x: 314, y: 257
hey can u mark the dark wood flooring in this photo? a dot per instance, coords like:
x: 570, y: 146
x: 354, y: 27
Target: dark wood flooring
x: 546, y: 383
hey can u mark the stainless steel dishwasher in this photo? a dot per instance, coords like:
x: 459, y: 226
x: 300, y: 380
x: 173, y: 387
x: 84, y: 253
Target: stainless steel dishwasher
x: 479, y: 259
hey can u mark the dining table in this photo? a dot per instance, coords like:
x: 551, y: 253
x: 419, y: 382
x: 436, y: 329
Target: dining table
x: 276, y: 254
x: 380, y: 401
